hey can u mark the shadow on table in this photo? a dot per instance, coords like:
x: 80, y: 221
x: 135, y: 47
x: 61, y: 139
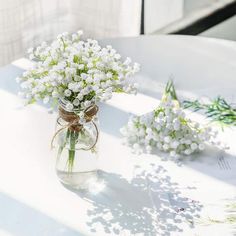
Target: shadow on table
x: 214, y: 162
x: 111, y: 124
x: 149, y: 204
x: 18, y: 219
x: 8, y: 76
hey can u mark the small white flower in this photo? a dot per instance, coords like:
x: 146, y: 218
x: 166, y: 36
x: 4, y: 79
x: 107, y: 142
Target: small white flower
x: 175, y: 144
x: 167, y: 139
x: 76, y: 88
x: 136, y: 67
x: 84, y: 76
x: 71, y: 86
x: 80, y: 32
x: 194, y: 146
x: 187, y: 141
x: 31, y: 56
x: 188, y: 151
x: 89, y: 79
x: 127, y: 61
x: 69, y: 106
x: 41, y: 88
x: 90, y: 65
x: 149, y: 130
x: 95, y: 88
x: 166, y: 147
x: 76, y: 102
x: 30, y: 50
x: 67, y: 93
x: 109, y: 75
x: 87, y: 103
x: 117, y: 56
x: 173, y: 154
x: 80, y: 96
x: 158, y: 127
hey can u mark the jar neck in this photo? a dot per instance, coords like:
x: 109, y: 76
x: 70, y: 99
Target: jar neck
x: 63, y: 104
x: 69, y: 116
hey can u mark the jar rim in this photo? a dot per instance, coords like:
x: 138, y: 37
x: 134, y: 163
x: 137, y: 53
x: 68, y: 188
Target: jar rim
x: 63, y: 102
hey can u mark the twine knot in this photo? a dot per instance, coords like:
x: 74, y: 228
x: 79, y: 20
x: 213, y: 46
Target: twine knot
x: 74, y: 121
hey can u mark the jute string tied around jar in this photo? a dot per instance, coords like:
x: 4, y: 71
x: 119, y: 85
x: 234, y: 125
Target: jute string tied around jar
x: 74, y: 124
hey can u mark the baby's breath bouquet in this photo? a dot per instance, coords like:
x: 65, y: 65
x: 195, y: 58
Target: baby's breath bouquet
x: 168, y: 129
x: 76, y: 74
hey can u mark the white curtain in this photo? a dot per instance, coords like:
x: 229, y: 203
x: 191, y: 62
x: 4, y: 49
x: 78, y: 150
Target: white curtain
x: 25, y: 23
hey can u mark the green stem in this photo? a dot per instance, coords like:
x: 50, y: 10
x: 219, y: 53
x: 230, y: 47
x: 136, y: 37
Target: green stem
x: 71, y: 150
x: 218, y: 110
x: 61, y: 147
x: 170, y: 90
x: 73, y: 136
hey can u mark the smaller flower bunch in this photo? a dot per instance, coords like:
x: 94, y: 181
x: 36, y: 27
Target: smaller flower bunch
x: 78, y: 72
x: 167, y: 129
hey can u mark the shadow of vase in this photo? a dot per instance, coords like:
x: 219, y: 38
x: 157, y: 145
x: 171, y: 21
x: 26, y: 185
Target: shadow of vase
x: 148, y: 204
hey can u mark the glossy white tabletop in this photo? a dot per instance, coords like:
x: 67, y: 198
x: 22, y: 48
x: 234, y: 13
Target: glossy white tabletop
x: 142, y: 195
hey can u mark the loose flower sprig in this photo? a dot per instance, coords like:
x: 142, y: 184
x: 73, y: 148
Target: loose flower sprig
x: 79, y: 73
x: 219, y: 110
x: 168, y: 129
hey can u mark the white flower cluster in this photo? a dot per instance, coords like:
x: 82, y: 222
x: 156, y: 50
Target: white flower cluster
x: 76, y: 71
x: 167, y: 129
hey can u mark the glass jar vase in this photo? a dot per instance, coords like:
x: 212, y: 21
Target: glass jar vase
x: 77, y: 147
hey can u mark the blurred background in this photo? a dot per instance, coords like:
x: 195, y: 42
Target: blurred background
x: 26, y: 23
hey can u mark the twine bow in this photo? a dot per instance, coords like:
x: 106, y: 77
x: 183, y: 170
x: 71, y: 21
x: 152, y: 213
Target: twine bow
x: 74, y: 125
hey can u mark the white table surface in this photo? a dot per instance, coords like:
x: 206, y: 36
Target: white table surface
x: 141, y: 193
